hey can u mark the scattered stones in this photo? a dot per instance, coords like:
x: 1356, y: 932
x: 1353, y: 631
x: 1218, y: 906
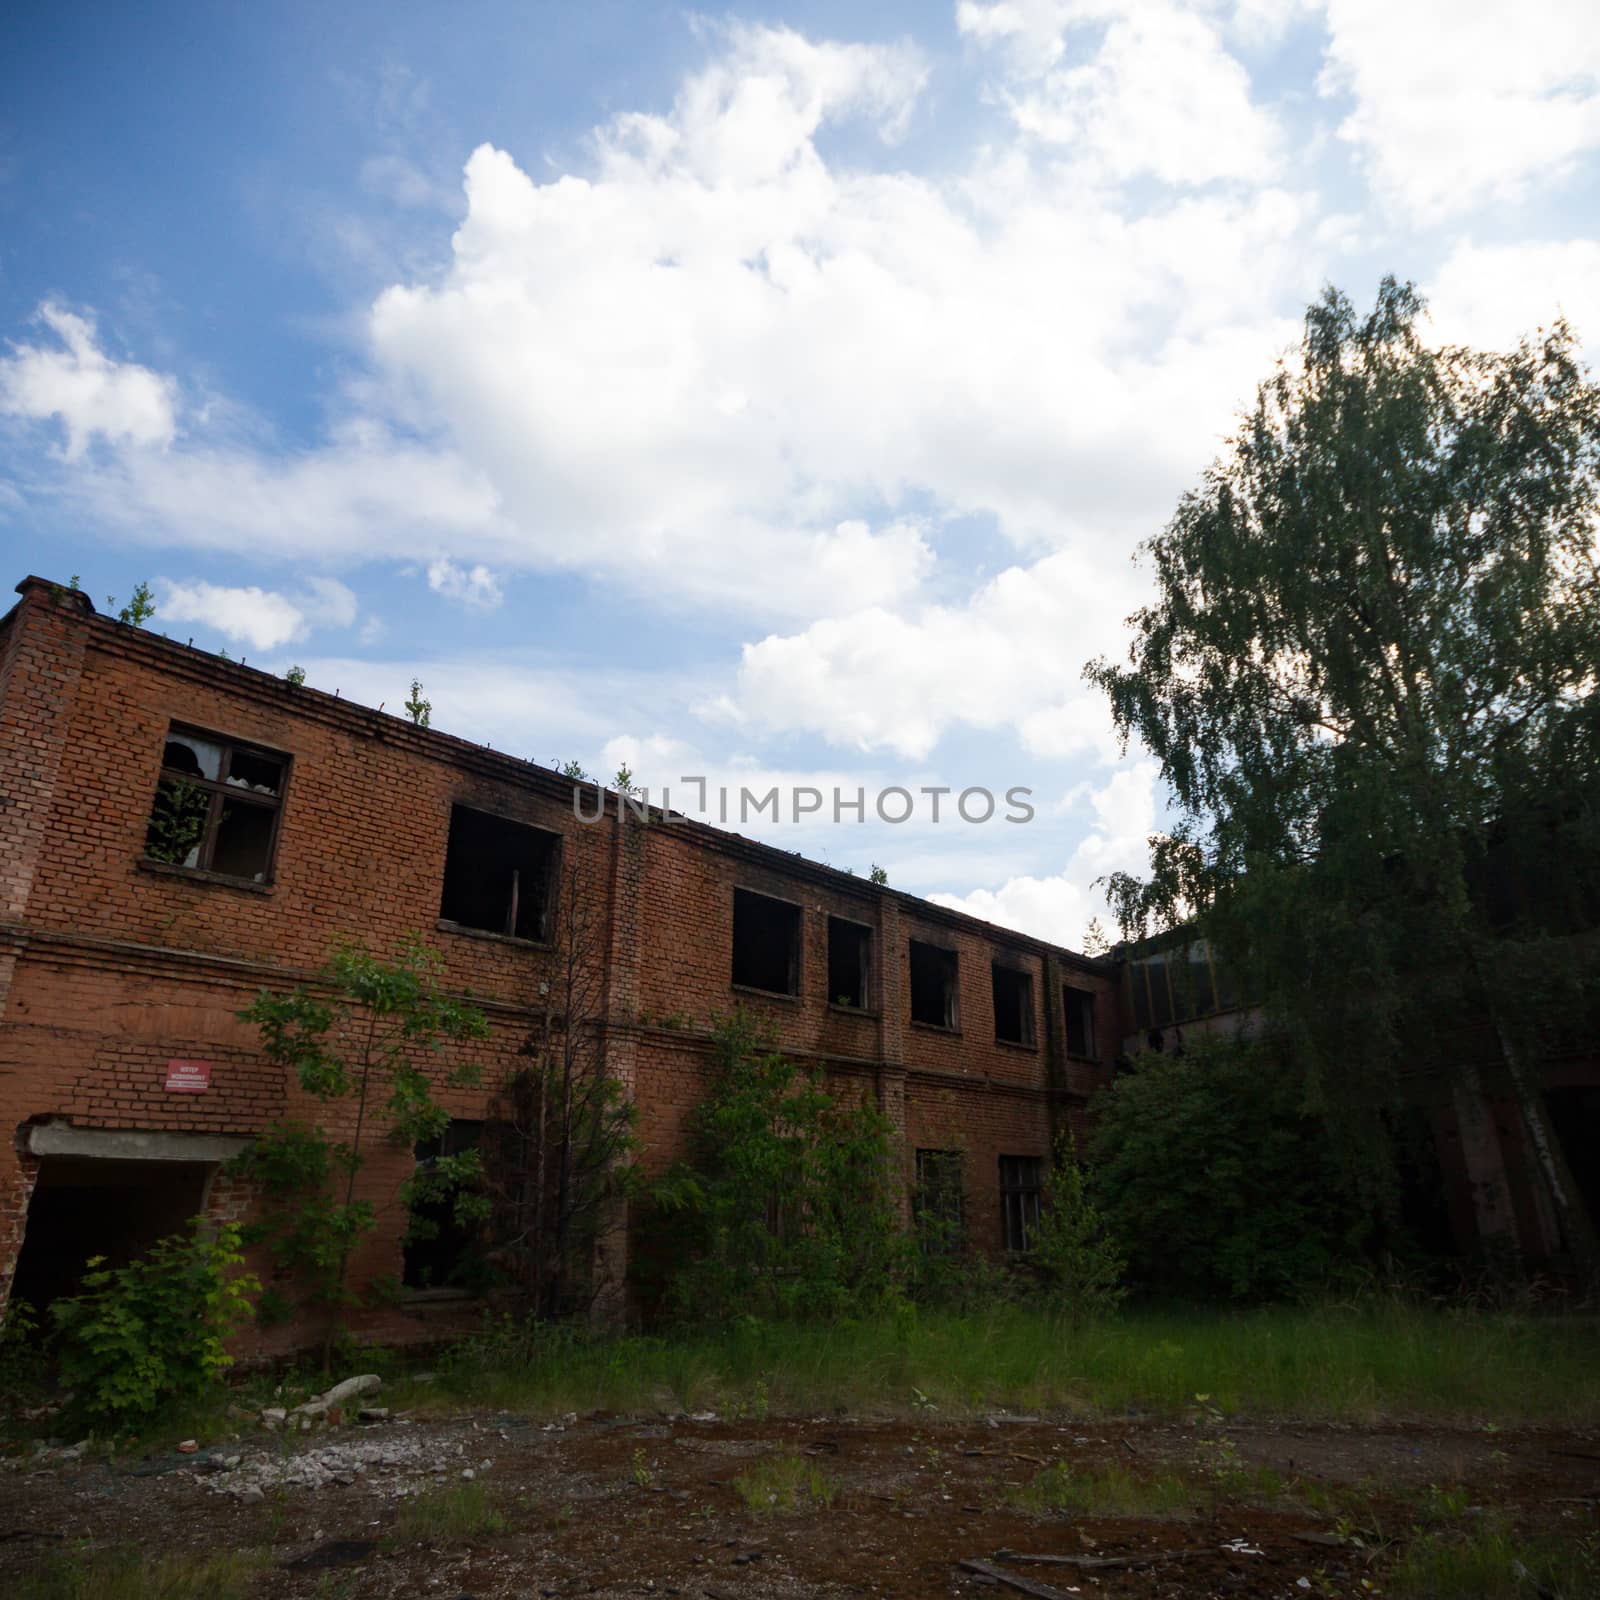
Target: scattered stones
x: 188, y: 1447
x: 373, y: 1414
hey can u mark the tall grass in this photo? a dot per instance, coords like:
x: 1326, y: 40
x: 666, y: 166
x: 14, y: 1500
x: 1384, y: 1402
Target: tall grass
x: 1388, y: 1359
x: 126, y: 1573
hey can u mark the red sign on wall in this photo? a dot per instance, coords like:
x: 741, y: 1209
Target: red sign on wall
x: 188, y: 1077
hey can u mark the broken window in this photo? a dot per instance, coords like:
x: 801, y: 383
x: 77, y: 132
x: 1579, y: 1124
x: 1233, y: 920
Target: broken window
x: 1079, y: 1007
x: 1013, y: 1004
x: 933, y: 985
x: 937, y: 1201
x: 216, y: 807
x: 766, y: 943
x: 1021, y: 1185
x: 498, y: 875
x: 444, y: 1243
x: 849, y: 950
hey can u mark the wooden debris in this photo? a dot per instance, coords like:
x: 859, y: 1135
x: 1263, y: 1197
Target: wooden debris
x: 1092, y: 1563
x: 1028, y: 1586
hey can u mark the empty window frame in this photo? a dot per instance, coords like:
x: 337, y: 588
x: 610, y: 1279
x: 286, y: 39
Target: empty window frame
x: 443, y: 1249
x: 938, y: 1202
x: 849, y: 963
x: 1078, y: 1004
x: 766, y: 943
x: 1013, y: 1004
x: 933, y: 985
x: 499, y: 875
x: 217, y: 806
x: 1021, y: 1186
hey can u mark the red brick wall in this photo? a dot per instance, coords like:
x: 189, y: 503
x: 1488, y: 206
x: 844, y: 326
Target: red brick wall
x: 119, y: 969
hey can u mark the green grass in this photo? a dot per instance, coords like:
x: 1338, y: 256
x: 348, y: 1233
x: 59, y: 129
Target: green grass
x: 1491, y: 1563
x: 785, y: 1484
x: 121, y: 1574
x: 463, y: 1511
x: 1111, y: 1492
x: 1390, y: 1359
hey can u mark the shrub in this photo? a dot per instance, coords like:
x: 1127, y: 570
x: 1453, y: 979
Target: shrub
x: 155, y: 1330
x: 784, y: 1207
x: 1215, y: 1179
x: 1075, y: 1255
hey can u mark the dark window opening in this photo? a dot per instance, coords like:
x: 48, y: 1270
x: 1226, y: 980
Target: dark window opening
x: 933, y: 985
x: 216, y: 806
x: 498, y: 875
x: 766, y: 943
x: 444, y: 1250
x: 1013, y: 1005
x: 1021, y: 1186
x: 849, y: 950
x: 89, y: 1206
x: 937, y: 1202
x: 1079, y: 1007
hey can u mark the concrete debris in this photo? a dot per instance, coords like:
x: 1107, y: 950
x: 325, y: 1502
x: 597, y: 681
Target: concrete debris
x: 389, y: 1463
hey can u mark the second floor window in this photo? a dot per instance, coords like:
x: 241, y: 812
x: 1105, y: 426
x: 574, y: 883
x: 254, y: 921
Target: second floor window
x: 217, y: 806
x: 766, y: 943
x: 933, y: 986
x: 499, y: 875
x: 1013, y: 1005
x: 1078, y: 1004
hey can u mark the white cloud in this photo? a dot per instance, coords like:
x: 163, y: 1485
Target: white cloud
x: 1137, y: 86
x: 260, y: 618
x: 1011, y: 656
x: 83, y: 388
x: 476, y: 587
x: 1059, y: 907
x: 724, y: 367
x: 1492, y: 295
x: 1458, y: 102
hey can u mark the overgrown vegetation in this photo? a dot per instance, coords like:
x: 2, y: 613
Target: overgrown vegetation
x: 1491, y: 1562
x: 1368, y: 678
x: 154, y: 1332
x: 123, y: 1573
x: 785, y: 1485
x: 368, y: 1054
x: 1076, y: 1255
x: 458, y: 1511
x: 784, y: 1206
x: 1217, y: 1180
x: 1384, y: 1357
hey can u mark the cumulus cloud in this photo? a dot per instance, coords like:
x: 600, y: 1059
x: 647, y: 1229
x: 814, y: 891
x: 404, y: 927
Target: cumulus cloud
x: 260, y: 618
x: 476, y: 586
x: 75, y: 383
x: 1058, y: 907
x: 1459, y: 103
x: 720, y: 365
x: 1137, y: 86
x: 1009, y: 657
x: 1492, y: 295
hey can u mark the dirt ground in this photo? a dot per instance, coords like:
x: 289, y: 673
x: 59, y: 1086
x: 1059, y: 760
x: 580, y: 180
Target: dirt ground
x: 613, y: 1506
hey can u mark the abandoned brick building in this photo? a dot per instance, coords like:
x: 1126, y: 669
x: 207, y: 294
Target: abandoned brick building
x: 127, y: 1080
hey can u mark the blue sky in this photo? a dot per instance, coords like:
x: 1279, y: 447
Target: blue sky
x: 776, y: 396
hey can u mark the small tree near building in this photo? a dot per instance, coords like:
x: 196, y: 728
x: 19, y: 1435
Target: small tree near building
x: 366, y: 1047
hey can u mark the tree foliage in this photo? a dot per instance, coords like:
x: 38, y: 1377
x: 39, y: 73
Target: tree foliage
x: 785, y: 1206
x: 1216, y: 1182
x: 1075, y: 1253
x: 154, y: 1331
x: 1368, y: 675
x: 367, y: 1051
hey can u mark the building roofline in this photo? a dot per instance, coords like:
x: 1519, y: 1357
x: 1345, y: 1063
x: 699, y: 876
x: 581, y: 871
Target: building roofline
x: 433, y: 744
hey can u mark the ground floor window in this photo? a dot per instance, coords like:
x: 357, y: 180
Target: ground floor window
x: 440, y: 1251
x: 1021, y: 1185
x: 937, y: 1201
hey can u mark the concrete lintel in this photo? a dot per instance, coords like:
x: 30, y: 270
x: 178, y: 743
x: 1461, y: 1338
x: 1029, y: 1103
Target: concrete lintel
x: 121, y: 1144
